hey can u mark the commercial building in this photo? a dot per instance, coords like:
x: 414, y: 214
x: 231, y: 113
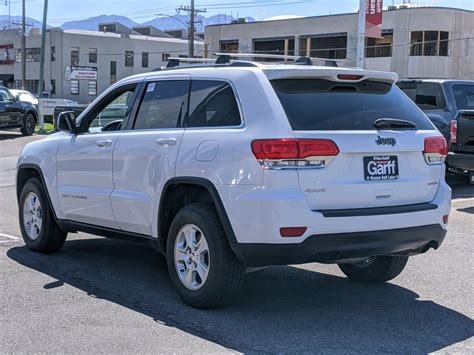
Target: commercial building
x: 423, y: 42
x: 80, y: 64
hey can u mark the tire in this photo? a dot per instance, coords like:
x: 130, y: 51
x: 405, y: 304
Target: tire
x: 29, y: 122
x: 44, y: 236
x: 224, y: 272
x: 380, y: 269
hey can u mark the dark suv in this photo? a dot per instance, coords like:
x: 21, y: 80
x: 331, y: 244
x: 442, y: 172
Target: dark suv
x: 17, y: 114
x: 449, y: 104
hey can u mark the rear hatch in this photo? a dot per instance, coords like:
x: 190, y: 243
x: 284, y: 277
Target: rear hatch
x: 380, y: 134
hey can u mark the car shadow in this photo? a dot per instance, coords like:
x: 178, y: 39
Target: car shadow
x: 4, y: 135
x: 280, y: 309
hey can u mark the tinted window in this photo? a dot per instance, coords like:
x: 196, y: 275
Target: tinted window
x: 163, y: 105
x: 316, y: 104
x: 212, y: 104
x: 464, y: 96
x: 5, y: 95
x: 428, y: 96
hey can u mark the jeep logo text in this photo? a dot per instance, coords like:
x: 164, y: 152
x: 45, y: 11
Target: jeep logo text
x: 385, y: 141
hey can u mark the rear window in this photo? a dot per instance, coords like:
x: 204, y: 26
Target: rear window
x: 428, y: 96
x: 317, y: 104
x: 464, y: 96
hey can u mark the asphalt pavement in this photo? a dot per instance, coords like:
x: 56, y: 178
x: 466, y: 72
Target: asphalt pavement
x: 103, y: 295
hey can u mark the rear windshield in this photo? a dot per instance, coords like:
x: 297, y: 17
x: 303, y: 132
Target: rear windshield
x: 464, y: 96
x: 317, y: 104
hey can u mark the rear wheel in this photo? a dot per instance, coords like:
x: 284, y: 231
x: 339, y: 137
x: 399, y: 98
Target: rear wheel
x: 375, y: 269
x: 29, y: 122
x: 38, y: 226
x: 202, y: 267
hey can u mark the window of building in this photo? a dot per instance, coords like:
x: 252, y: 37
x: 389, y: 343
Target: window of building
x: 53, y: 54
x: 429, y: 43
x: 53, y: 87
x: 92, y: 88
x: 231, y: 46
x: 379, y: 47
x: 163, y: 105
x: 32, y: 55
x: 92, y: 55
x: 284, y: 46
x: 74, y: 84
x: 144, y: 60
x: 331, y: 46
x: 113, y: 72
x: 129, y: 56
x: 74, y: 55
x: 212, y: 104
x: 165, y: 57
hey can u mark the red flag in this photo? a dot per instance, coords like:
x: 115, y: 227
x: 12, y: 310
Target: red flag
x: 373, y: 18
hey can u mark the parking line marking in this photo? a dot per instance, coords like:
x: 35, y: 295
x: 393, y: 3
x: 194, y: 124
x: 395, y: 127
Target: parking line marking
x: 9, y: 236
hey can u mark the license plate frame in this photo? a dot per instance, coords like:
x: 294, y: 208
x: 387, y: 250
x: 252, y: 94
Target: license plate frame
x: 381, y: 168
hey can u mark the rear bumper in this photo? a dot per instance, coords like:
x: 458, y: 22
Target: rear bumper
x: 463, y: 161
x: 331, y: 248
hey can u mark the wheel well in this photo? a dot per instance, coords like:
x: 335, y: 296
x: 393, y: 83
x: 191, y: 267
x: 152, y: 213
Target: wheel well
x: 176, y: 196
x: 34, y: 114
x: 23, y: 176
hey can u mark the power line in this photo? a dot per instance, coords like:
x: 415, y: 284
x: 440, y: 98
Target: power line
x: 192, y: 24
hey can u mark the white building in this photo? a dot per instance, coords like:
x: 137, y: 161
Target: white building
x: 424, y: 42
x: 80, y: 64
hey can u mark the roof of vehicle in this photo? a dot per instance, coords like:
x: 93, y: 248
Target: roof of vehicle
x: 274, y: 71
x: 439, y: 81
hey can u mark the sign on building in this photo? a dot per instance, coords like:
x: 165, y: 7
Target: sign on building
x: 73, y: 72
x: 373, y: 18
x: 7, y: 54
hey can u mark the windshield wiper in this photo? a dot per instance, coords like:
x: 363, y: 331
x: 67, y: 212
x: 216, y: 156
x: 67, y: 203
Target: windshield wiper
x: 393, y: 123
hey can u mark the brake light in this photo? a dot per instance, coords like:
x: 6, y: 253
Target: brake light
x: 349, y: 77
x: 454, y: 132
x: 287, y: 232
x: 436, y: 150
x: 294, y: 153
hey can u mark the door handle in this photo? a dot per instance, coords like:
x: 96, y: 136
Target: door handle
x: 104, y: 143
x: 164, y: 142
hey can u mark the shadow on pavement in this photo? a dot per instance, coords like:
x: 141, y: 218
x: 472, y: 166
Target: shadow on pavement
x: 280, y: 309
x: 4, y: 135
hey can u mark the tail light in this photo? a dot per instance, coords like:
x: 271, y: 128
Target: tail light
x: 294, y: 153
x: 436, y: 150
x: 454, y: 131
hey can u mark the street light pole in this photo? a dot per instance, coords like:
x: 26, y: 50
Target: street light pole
x: 43, y: 47
x: 23, y: 46
x: 361, y: 34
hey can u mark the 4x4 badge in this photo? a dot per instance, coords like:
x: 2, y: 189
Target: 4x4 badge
x: 385, y: 141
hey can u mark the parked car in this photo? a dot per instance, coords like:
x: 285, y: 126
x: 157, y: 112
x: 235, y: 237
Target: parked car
x: 442, y: 101
x: 15, y: 113
x: 244, y: 165
x: 25, y: 96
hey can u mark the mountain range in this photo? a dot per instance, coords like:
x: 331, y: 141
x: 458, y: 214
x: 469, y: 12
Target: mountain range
x: 161, y: 22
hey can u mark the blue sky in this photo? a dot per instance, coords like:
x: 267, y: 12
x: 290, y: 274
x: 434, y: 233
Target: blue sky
x: 143, y: 10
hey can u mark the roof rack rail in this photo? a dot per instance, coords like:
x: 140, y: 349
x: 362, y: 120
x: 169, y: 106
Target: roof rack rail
x: 222, y: 60
x: 299, y: 60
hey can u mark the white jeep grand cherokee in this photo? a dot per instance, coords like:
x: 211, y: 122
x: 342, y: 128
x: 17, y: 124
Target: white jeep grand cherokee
x: 224, y: 167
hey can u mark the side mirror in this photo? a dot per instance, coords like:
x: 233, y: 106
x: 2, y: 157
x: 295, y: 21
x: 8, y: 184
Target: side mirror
x: 67, y: 121
x: 17, y: 97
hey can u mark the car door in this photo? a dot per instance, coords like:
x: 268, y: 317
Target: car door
x: 84, y: 160
x: 8, y: 117
x: 144, y: 157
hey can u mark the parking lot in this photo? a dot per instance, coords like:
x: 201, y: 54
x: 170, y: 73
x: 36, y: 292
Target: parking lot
x: 101, y: 295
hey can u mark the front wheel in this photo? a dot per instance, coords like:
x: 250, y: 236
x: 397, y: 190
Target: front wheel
x: 38, y: 226
x: 202, y: 267
x: 29, y: 122
x: 375, y: 269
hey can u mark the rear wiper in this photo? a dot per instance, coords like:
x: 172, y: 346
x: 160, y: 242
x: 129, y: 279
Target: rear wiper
x: 393, y: 123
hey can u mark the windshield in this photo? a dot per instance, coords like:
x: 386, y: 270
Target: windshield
x: 464, y: 96
x: 317, y: 104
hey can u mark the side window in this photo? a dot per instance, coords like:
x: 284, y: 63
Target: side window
x: 163, y: 105
x: 5, y: 96
x: 112, y: 111
x: 212, y: 104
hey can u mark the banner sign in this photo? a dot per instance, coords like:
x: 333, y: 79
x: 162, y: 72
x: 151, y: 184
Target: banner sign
x: 373, y: 18
x: 7, y: 54
x: 80, y: 73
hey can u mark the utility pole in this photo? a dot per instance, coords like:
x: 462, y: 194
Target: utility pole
x: 361, y: 34
x: 23, y: 45
x: 192, y: 25
x: 43, y: 47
